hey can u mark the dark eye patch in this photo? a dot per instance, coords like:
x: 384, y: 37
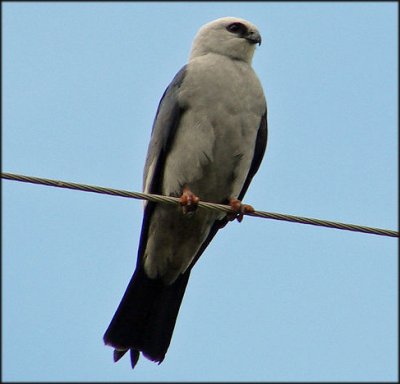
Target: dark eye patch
x: 237, y: 28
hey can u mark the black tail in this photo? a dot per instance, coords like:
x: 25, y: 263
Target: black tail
x: 145, y: 319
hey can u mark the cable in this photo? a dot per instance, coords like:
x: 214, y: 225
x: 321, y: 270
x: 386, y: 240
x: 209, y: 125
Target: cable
x: 201, y: 204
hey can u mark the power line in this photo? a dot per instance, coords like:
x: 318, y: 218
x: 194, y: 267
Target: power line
x: 201, y: 204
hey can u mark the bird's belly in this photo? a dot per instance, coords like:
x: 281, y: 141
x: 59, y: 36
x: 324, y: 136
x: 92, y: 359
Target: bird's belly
x: 214, y: 165
x: 211, y: 158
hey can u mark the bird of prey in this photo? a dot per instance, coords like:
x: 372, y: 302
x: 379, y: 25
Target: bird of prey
x: 208, y: 139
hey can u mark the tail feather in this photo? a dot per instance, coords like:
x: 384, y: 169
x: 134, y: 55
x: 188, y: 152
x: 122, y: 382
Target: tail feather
x: 118, y: 354
x: 145, y: 319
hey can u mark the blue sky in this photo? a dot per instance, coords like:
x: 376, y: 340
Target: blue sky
x: 268, y: 300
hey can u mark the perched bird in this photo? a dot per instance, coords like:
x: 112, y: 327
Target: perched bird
x: 208, y: 139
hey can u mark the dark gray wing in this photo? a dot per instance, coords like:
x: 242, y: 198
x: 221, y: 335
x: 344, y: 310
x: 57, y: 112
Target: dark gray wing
x: 259, y: 150
x: 165, y: 125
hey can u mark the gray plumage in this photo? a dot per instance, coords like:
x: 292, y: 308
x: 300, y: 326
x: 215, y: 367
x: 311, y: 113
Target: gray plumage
x: 209, y: 134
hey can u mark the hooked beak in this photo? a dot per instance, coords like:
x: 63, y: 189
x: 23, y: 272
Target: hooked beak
x: 253, y: 38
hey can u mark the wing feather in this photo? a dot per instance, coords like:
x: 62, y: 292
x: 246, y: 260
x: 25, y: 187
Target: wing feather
x: 165, y: 125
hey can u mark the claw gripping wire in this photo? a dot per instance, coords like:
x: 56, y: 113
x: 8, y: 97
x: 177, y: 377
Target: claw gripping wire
x: 201, y: 204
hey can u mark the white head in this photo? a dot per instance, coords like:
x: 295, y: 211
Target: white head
x: 228, y: 36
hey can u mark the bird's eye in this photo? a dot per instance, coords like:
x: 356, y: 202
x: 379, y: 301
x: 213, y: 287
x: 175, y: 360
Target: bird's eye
x: 238, y: 28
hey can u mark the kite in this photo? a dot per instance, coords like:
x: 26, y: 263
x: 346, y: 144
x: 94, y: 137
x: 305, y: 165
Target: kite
x: 208, y: 139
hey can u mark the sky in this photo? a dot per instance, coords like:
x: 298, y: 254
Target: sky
x: 268, y: 300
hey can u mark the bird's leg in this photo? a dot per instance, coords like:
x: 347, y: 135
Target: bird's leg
x: 239, y: 210
x: 188, y: 200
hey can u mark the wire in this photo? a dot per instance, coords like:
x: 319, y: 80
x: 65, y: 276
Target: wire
x: 201, y: 204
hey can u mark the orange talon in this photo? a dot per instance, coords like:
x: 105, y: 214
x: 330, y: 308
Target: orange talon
x: 188, y: 200
x: 239, y: 210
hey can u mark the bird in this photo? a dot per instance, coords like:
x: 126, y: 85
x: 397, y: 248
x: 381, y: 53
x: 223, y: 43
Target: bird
x: 207, y: 142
